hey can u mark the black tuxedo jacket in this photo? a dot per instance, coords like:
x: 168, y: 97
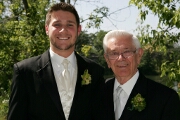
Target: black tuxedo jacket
x: 162, y: 103
x: 34, y: 93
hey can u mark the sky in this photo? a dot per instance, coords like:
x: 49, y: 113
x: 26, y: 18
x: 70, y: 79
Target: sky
x: 125, y: 19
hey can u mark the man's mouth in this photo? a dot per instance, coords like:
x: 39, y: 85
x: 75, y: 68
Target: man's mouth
x: 63, y: 38
x: 123, y: 65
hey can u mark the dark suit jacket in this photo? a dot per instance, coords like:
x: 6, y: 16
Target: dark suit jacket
x: 35, y: 96
x: 162, y: 103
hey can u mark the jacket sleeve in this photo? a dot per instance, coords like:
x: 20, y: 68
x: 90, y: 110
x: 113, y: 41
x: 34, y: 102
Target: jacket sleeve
x: 172, y: 108
x: 18, y: 98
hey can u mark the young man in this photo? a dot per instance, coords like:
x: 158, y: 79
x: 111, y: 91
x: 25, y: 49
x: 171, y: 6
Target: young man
x: 130, y: 95
x: 43, y: 88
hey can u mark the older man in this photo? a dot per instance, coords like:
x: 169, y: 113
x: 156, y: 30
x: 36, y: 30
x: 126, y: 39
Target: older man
x: 130, y: 95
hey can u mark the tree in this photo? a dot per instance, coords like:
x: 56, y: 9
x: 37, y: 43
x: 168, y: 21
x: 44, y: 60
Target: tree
x: 22, y: 36
x: 83, y: 40
x: 165, y: 35
x: 94, y: 50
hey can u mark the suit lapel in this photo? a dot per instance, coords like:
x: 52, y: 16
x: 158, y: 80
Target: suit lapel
x: 81, y: 66
x: 47, y: 77
x: 140, y: 87
x: 109, y: 102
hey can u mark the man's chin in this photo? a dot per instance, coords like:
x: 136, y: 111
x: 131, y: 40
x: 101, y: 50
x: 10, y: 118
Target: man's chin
x: 65, y: 47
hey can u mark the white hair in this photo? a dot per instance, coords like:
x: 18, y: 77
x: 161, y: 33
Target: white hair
x: 117, y: 34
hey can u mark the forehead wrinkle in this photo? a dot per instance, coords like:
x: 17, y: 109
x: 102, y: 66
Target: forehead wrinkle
x: 119, y: 44
x: 119, y: 49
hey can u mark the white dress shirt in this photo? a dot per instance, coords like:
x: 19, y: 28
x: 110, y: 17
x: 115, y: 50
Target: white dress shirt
x: 66, y: 97
x: 127, y: 88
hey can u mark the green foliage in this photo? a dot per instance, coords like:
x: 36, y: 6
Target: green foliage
x: 98, y: 47
x: 83, y: 40
x: 85, y: 49
x: 90, y: 45
x: 151, y: 63
x: 96, y: 52
x: 22, y: 36
x: 168, y: 11
x: 96, y: 17
x: 4, y: 100
x: 164, y: 36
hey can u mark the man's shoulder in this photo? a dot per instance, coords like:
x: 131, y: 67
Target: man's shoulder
x: 159, y: 88
x: 155, y: 84
x: 108, y: 80
x: 89, y: 61
x: 151, y: 84
x: 32, y: 59
x: 29, y: 60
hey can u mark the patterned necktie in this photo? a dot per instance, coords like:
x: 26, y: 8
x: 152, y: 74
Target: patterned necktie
x: 66, y: 74
x: 117, y: 103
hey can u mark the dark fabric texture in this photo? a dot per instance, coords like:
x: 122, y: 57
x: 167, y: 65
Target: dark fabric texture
x: 34, y: 93
x: 162, y: 103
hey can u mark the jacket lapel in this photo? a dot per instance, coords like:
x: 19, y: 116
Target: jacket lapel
x: 81, y: 66
x: 141, y: 88
x: 47, y: 77
x: 109, y: 102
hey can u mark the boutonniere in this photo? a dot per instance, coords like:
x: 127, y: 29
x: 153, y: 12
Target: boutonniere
x: 138, y: 103
x: 86, y: 78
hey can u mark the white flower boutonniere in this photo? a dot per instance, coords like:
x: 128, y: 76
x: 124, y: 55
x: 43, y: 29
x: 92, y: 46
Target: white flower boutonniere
x: 86, y: 78
x: 138, y: 103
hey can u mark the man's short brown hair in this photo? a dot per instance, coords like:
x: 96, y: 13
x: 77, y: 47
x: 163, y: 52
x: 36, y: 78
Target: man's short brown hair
x: 62, y: 6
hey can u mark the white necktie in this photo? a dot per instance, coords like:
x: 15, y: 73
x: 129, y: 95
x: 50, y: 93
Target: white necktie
x: 117, y: 103
x: 66, y: 74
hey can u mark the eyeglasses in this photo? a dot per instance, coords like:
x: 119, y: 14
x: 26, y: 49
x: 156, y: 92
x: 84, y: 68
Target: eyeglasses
x: 115, y: 55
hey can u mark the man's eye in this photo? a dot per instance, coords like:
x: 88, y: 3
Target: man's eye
x: 56, y: 25
x: 114, y: 53
x: 126, y: 51
x: 70, y: 25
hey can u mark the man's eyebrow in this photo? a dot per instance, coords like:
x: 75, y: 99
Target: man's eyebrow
x: 69, y: 21
x: 59, y: 21
x: 126, y: 48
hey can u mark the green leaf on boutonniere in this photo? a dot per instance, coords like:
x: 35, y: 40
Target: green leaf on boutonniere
x: 138, y: 103
x: 86, y: 78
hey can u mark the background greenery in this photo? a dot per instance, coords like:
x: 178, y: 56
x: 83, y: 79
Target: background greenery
x: 22, y: 35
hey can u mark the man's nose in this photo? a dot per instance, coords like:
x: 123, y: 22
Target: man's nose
x: 121, y: 57
x: 63, y: 29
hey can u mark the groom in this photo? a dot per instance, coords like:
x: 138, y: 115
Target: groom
x: 39, y: 89
x: 130, y: 95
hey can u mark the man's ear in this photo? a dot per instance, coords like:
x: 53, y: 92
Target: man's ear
x: 79, y: 30
x: 140, y: 54
x: 107, y: 60
x: 46, y: 28
x: 141, y: 51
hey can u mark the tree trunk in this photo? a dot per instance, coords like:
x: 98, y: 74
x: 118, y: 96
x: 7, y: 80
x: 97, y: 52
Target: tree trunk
x: 62, y: 0
x: 68, y: 1
x: 25, y: 4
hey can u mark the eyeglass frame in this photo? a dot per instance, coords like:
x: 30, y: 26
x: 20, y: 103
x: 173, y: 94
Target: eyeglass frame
x: 122, y: 54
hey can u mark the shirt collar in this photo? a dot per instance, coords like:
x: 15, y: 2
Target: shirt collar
x: 128, y: 86
x: 59, y: 59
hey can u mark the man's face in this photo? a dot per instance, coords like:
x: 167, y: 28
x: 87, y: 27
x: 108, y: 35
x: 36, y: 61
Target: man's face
x: 62, y: 31
x: 123, y: 68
